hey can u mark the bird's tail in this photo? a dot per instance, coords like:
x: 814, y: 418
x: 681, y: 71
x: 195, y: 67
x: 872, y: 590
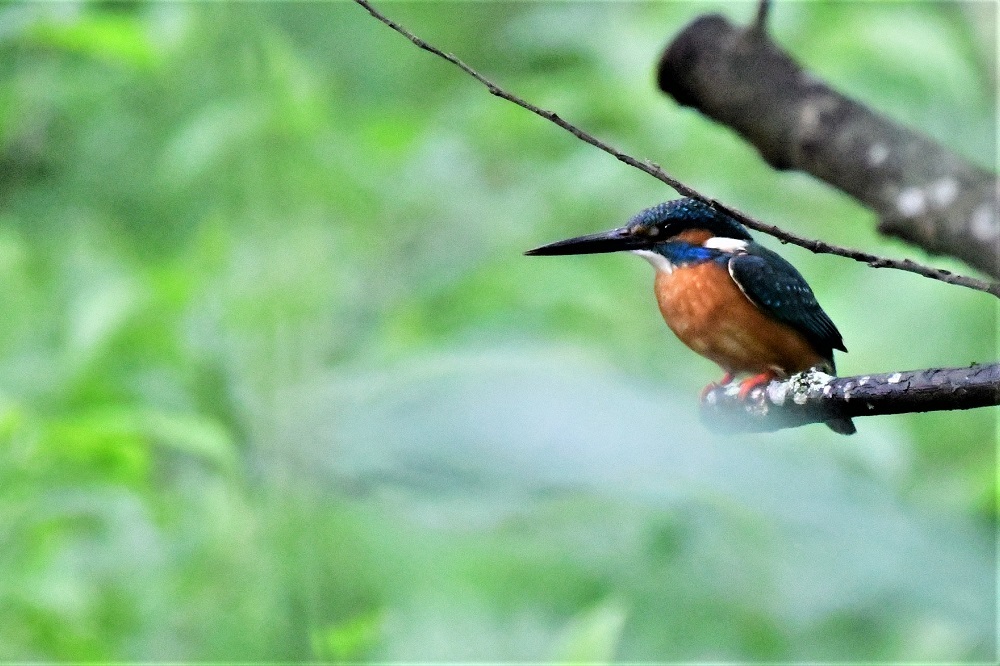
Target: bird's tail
x: 839, y: 426
x: 842, y: 426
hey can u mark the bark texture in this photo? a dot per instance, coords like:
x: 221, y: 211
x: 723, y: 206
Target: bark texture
x: 814, y: 397
x: 922, y: 192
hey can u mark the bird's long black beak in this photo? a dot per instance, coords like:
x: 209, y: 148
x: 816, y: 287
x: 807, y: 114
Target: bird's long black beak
x: 615, y: 240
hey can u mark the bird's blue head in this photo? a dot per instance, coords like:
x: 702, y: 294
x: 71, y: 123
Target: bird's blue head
x: 660, y: 224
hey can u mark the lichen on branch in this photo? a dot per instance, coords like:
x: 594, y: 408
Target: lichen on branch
x: 816, y: 397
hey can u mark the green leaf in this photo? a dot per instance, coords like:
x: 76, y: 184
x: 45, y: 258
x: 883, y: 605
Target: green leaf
x: 593, y: 635
x: 120, y: 439
x: 110, y: 37
x: 350, y: 640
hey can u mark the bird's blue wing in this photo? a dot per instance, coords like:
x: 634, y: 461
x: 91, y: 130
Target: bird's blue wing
x: 780, y: 291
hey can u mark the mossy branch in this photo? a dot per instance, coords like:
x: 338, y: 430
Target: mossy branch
x: 815, y: 397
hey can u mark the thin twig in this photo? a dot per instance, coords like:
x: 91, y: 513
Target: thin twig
x: 655, y: 171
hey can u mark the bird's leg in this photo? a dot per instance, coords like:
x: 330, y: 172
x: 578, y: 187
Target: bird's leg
x: 726, y: 379
x: 750, y: 383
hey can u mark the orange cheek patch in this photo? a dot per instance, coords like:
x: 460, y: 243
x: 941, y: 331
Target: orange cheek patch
x: 693, y: 236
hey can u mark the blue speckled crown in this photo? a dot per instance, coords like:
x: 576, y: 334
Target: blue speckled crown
x: 686, y: 213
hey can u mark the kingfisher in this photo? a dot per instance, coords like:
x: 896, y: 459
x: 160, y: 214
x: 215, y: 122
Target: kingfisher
x: 729, y: 299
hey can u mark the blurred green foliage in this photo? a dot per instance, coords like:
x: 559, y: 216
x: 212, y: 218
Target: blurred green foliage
x: 277, y: 384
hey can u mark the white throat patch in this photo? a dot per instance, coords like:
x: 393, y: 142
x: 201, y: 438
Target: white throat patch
x: 659, y: 262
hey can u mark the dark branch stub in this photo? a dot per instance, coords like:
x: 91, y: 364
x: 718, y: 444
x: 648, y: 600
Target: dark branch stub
x: 814, y: 397
x: 922, y: 192
x: 760, y: 22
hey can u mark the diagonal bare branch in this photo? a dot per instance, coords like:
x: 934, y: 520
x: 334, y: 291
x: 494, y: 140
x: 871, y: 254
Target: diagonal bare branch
x: 654, y: 170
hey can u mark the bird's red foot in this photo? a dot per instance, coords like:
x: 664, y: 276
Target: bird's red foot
x: 750, y: 383
x: 726, y: 379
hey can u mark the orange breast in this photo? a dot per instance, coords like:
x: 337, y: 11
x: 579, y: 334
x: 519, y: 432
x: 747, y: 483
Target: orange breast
x: 709, y: 313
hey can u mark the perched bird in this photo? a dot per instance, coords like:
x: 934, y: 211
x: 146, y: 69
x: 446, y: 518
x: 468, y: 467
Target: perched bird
x: 726, y: 297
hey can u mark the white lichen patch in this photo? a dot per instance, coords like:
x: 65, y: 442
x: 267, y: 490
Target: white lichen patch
x: 776, y: 392
x: 809, y: 118
x: 894, y: 378
x: 757, y: 408
x: 864, y: 380
x: 756, y: 404
x: 944, y: 191
x: 847, y: 390
x: 984, y: 224
x: 911, y: 202
x: 877, y: 154
x: 804, y: 383
x: 811, y: 113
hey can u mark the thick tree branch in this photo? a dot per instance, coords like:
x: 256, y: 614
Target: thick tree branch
x: 655, y: 171
x: 814, y: 397
x: 923, y: 192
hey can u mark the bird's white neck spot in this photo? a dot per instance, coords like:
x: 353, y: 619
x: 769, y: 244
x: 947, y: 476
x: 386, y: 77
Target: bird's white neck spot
x: 725, y: 244
x: 659, y: 262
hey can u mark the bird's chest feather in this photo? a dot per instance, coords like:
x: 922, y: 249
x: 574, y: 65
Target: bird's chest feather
x: 698, y: 300
x: 707, y: 311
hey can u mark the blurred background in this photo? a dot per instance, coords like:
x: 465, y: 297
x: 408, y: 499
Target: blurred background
x: 276, y: 382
